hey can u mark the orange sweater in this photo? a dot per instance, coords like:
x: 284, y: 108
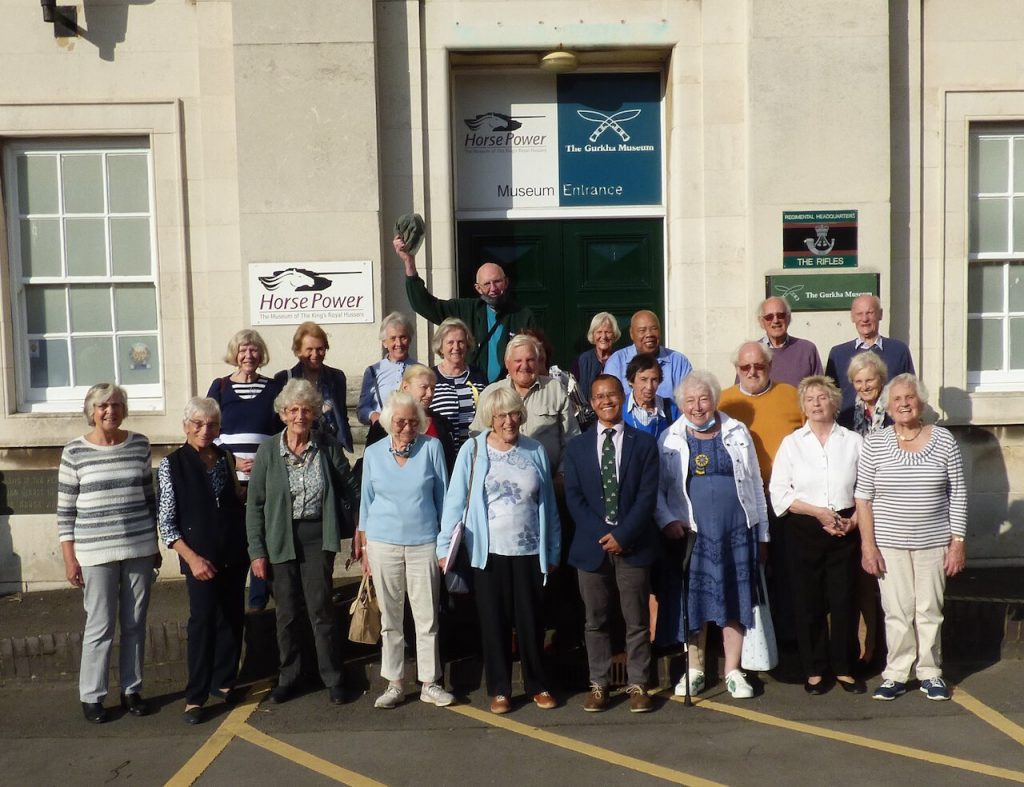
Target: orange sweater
x: 769, y: 417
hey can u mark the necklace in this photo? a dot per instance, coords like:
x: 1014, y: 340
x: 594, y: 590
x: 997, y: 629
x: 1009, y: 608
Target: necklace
x: 403, y: 453
x: 904, y: 439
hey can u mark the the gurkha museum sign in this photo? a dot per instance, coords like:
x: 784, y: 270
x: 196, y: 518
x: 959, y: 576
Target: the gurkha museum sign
x: 819, y: 239
x: 821, y: 292
x: 288, y: 293
x: 544, y: 141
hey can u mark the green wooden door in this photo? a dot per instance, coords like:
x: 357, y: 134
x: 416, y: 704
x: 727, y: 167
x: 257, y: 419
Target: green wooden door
x: 568, y: 270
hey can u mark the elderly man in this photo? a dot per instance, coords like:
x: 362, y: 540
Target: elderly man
x: 793, y: 359
x: 611, y: 488
x: 645, y: 331
x: 493, y: 318
x: 549, y: 414
x: 770, y: 411
x: 866, y: 315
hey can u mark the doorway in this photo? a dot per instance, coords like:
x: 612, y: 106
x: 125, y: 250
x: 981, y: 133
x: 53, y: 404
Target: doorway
x: 567, y: 271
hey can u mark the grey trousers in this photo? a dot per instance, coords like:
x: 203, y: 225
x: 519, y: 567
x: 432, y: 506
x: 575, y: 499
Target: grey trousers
x: 122, y: 584
x: 632, y: 584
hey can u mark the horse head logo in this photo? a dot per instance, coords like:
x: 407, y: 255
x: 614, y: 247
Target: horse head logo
x: 299, y: 279
x: 493, y: 121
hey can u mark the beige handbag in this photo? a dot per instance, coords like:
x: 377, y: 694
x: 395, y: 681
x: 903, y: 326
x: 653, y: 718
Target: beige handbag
x: 365, y: 625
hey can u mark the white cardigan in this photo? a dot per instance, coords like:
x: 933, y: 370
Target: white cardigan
x: 674, y: 502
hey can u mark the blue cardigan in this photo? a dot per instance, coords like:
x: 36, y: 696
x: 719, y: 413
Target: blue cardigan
x: 476, y: 532
x: 402, y: 505
x: 894, y: 352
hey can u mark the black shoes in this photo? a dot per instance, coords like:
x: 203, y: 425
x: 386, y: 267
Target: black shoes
x: 193, y: 715
x: 338, y: 695
x: 855, y: 686
x: 134, y: 704
x: 281, y: 694
x: 819, y: 688
x: 229, y: 697
x: 94, y: 712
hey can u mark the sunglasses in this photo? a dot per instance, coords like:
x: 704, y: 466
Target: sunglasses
x: 772, y: 317
x: 760, y: 367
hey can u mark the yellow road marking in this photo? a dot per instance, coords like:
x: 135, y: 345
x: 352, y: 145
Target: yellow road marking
x: 596, y: 752
x: 989, y: 715
x: 215, y: 744
x: 860, y: 740
x: 305, y: 759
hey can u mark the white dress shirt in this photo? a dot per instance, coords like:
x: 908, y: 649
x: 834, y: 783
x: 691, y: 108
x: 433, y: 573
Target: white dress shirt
x: 821, y: 475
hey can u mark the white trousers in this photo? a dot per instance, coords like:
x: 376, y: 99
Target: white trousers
x: 400, y: 572
x: 122, y: 585
x: 912, y: 594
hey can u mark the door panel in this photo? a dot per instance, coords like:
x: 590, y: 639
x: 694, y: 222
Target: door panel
x: 567, y: 271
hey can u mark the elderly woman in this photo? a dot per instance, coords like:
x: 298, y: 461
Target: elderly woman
x: 459, y: 385
x: 384, y: 376
x: 404, y: 479
x: 813, y: 478
x: 310, y: 346
x: 202, y: 518
x: 246, y: 400
x: 301, y: 495
x: 603, y: 334
x: 710, y: 483
x: 418, y: 381
x: 868, y: 373
x: 502, y: 490
x: 912, y: 512
x: 644, y: 409
x: 106, y: 521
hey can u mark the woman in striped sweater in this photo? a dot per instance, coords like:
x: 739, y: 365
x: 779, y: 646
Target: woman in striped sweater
x: 106, y: 520
x: 912, y: 511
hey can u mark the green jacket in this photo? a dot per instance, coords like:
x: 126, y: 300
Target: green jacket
x: 268, y: 509
x: 512, y: 318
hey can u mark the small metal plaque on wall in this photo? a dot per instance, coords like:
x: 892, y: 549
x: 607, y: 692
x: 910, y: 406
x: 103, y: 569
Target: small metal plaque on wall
x: 821, y: 292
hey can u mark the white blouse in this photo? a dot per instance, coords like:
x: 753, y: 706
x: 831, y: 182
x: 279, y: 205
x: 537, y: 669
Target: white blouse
x: 821, y: 475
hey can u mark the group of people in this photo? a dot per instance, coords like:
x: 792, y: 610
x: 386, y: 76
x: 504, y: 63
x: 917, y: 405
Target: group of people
x: 608, y: 478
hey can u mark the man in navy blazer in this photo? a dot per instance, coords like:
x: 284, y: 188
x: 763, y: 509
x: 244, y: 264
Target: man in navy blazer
x: 616, y: 538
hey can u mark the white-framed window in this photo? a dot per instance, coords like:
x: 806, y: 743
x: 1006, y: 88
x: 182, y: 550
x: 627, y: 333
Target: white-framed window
x: 83, y: 270
x: 995, y: 272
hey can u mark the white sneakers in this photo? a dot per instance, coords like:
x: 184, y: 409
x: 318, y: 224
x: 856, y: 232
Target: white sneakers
x: 435, y: 694
x: 738, y: 686
x: 697, y: 683
x: 391, y: 698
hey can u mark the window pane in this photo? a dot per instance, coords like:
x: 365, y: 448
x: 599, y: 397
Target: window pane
x: 83, y: 183
x: 1018, y: 164
x: 990, y: 161
x: 37, y: 184
x: 985, y: 287
x: 87, y: 247
x: 140, y: 359
x: 93, y: 359
x: 1018, y: 224
x: 1017, y: 343
x: 90, y: 309
x: 1016, y: 286
x: 40, y: 247
x: 48, y: 363
x: 984, y: 345
x: 45, y: 307
x: 129, y: 183
x: 130, y: 247
x: 135, y: 307
x: 989, y: 225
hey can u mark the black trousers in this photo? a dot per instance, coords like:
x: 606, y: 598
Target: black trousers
x: 306, y: 582
x: 508, y: 592
x: 215, y: 622
x: 822, y: 568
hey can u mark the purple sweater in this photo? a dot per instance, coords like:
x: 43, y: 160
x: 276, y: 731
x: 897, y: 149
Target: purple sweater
x: 795, y: 360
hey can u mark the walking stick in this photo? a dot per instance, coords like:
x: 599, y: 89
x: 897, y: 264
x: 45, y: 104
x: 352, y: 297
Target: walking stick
x: 687, y: 554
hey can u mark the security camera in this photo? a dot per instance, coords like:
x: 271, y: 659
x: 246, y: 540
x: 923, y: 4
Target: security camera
x: 49, y: 9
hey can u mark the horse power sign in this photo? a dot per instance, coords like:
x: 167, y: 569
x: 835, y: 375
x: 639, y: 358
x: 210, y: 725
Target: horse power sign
x: 324, y: 292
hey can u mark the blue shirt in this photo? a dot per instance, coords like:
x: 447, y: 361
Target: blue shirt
x: 379, y: 380
x: 674, y: 368
x: 402, y: 504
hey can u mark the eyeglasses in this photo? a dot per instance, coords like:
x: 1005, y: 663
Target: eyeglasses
x: 197, y: 424
x: 514, y: 416
x: 404, y: 423
x: 773, y: 316
x: 606, y: 397
x: 759, y: 367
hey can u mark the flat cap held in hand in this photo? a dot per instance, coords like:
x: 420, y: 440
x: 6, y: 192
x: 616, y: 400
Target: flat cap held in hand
x: 410, y: 228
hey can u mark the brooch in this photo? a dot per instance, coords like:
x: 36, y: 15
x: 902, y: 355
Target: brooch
x: 702, y: 461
